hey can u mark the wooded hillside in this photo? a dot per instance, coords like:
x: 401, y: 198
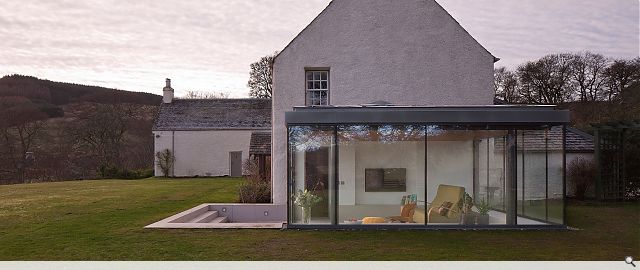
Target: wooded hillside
x: 53, y: 131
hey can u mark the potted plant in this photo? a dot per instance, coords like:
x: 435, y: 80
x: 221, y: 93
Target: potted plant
x: 306, y: 200
x: 468, y: 216
x: 483, y: 210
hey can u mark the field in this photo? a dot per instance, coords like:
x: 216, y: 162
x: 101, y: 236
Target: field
x: 104, y: 220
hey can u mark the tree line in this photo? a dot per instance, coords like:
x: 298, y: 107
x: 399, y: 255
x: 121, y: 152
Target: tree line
x: 567, y: 77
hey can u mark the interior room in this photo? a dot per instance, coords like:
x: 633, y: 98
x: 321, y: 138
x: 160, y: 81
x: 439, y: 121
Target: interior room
x: 446, y: 175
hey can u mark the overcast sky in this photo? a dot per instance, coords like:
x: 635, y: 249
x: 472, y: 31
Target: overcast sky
x: 209, y: 44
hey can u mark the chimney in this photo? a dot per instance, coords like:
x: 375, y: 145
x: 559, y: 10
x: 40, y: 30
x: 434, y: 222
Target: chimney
x: 167, y: 93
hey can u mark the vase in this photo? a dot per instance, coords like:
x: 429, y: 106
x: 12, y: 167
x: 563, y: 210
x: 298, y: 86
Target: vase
x: 482, y: 220
x: 306, y: 215
x: 468, y: 219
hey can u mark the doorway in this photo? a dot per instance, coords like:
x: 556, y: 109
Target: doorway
x: 235, y: 164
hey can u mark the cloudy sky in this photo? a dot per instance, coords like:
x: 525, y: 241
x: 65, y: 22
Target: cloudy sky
x: 207, y: 45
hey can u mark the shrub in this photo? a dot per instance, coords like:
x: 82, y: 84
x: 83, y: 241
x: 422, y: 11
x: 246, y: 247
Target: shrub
x: 581, y: 174
x: 113, y: 172
x: 256, y: 189
x: 165, y: 161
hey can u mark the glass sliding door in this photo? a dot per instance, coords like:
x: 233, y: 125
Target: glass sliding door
x: 555, y: 175
x: 540, y: 176
x: 532, y: 187
x: 465, y: 175
x: 311, y: 174
x: 381, y: 169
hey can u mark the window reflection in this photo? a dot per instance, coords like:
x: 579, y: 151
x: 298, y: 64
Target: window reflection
x: 426, y: 175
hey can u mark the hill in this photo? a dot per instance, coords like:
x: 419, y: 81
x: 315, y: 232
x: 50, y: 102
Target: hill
x: 51, y: 96
x: 53, y: 131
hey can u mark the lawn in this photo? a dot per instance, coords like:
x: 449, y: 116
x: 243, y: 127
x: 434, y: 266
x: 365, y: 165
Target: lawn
x: 104, y: 220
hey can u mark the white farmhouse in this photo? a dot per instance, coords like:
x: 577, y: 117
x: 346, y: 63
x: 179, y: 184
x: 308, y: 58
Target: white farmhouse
x: 212, y: 137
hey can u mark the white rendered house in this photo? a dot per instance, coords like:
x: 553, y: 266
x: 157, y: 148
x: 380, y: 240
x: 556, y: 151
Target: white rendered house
x: 377, y: 100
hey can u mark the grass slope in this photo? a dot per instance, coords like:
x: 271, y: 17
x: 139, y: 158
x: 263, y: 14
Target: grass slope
x: 104, y: 220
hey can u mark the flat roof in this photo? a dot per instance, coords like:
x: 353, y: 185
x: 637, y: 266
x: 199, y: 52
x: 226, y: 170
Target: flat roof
x: 494, y: 114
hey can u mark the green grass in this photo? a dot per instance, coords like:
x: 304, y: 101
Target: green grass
x: 104, y: 220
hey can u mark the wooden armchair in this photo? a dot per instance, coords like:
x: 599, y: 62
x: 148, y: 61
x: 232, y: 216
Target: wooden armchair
x: 406, y: 214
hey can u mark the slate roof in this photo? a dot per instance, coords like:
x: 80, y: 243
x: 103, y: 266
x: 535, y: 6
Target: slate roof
x: 214, y: 114
x: 260, y: 143
x: 579, y: 141
x: 534, y: 140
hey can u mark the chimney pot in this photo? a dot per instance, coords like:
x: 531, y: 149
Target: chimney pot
x: 167, y: 92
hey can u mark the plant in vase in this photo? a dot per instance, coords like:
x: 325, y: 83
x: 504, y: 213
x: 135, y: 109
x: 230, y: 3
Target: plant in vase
x: 468, y: 216
x: 483, y: 210
x: 306, y: 200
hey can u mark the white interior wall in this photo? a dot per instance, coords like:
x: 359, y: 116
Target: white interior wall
x: 449, y: 163
x: 375, y: 155
x: 347, y: 174
x: 299, y: 160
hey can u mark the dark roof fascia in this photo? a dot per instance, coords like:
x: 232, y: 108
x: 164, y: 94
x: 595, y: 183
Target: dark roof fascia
x: 499, y: 115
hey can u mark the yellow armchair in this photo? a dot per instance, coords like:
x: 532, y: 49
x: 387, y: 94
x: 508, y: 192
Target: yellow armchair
x: 446, y: 193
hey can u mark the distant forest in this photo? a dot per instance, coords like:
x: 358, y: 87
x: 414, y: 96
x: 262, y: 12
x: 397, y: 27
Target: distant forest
x: 52, y: 131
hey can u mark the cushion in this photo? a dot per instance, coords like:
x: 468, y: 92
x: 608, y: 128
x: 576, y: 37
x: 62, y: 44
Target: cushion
x: 373, y: 220
x: 444, y: 209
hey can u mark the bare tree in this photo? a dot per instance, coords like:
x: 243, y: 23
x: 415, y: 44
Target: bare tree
x: 261, y: 77
x: 620, y: 75
x: 102, y: 133
x: 506, y: 85
x: 547, y: 80
x: 21, y: 123
x: 205, y: 95
x: 587, y: 75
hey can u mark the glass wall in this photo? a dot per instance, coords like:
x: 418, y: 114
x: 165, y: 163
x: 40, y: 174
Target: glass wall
x: 466, y: 167
x: 555, y: 174
x: 434, y: 175
x: 311, y: 174
x: 381, y: 172
x: 540, y: 190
